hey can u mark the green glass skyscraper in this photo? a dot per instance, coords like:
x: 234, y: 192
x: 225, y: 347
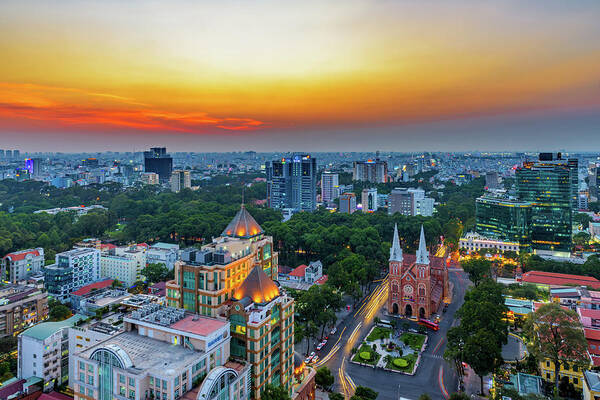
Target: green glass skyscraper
x: 504, y: 219
x: 550, y: 184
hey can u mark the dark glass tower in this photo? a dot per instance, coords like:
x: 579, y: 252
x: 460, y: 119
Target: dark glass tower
x: 504, y: 219
x: 292, y: 183
x: 550, y: 184
x: 158, y: 161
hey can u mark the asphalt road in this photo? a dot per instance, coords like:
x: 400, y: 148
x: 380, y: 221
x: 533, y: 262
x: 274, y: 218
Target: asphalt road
x: 434, y: 376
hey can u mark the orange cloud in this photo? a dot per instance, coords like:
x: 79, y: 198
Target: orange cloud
x: 77, y: 107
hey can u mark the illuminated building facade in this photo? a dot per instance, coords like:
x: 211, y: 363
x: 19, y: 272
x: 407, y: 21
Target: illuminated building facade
x: 330, y: 186
x: 369, y: 200
x: 347, y: 203
x: 292, y: 183
x: 503, y: 219
x: 206, y: 278
x: 262, y: 331
x: 417, y: 284
x: 375, y: 171
x: 550, y: 184
x: 180, y: 180
x: 20, y: 265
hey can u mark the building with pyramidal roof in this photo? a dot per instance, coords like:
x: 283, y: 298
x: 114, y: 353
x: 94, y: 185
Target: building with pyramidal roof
x: 262, y: 332
x: 206, y: 278
x: 418, y: 284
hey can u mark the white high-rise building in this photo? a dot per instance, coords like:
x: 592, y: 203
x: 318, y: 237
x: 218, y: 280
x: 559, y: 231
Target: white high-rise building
x: 369, y: 200
x: 329, y: 187
x: 73, y: 269
x: 180, y: 180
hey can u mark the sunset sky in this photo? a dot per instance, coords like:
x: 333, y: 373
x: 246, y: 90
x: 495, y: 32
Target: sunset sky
x: 397, y: 75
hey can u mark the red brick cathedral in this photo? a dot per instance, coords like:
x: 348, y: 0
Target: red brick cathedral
x: 417, y: 283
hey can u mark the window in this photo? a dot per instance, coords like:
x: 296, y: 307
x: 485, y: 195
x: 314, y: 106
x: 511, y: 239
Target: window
x: 131, y: 382
x: 164, y: 384
x: 151, y: 380
x: 90, y: 368
x: 575, y: 368
x: 81, y: 365
x: 122, y: 378
x: 575, y: 381
x: 82, y: 377
x: 547, y: 363
x: 90, y: 379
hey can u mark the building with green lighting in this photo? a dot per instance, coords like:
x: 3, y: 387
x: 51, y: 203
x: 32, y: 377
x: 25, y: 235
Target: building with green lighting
x: 504, y: 219
x: 550, y: 184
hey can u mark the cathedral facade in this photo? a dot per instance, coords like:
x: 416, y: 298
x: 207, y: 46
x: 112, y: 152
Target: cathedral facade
x: 417, y: 283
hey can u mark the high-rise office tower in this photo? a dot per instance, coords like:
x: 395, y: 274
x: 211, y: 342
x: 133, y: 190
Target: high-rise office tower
x: 329, y: 187
x: 550, y: 184
x: 491, y: 180
x: 375, y: 171
x: 8, y: 154
x: 34, y: 166
x: 369, y: 200
x: 292, y: 183
x: 504, y: 219
x: 16, y: 154
x: 1, y: 154
x: 157, y: 160
x: 180, y: 180
x: 347, y: 203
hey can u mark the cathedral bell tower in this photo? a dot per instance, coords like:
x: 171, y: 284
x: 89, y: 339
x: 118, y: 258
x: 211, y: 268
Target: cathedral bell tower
x: 395, y: 274
x: 423, y: 278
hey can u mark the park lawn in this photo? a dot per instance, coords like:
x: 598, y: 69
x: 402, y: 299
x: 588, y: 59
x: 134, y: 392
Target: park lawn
x: 379, y: 333
x: 374, y: 355
x: 415, y: 340
x: 410, y: 358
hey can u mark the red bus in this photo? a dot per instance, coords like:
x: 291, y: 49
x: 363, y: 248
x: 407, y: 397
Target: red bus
x: 429, y: 324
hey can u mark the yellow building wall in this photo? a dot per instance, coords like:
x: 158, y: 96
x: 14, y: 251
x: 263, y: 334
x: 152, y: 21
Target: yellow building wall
x: 574, y: 373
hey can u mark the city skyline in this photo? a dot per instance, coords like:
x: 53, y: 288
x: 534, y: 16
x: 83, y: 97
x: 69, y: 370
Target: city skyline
x: 327, y: 76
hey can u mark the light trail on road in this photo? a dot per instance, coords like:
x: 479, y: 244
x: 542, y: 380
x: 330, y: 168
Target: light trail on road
x: 441, y: 383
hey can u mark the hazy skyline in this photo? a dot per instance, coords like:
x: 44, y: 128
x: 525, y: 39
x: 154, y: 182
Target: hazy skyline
x: 313, y: 75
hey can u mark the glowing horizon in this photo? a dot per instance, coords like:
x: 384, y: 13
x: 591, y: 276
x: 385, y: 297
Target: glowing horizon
x: 267, y: 71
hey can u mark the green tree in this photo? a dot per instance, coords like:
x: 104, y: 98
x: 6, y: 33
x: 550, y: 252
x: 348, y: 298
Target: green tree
x: 364, y: 393
x: 58, y: 311
x: 336, y: 396
x: 477, y: 268
x: 557, y: 336
x: 424, y: 396
x: 581, y: 238
x: 324, y: 377
x: 459, y: 396
x: 271, y: 392
x: 155, y: 272
x: 482, y: 353
x: 8, y: 344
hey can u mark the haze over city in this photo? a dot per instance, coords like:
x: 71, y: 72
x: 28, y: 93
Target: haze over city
x: 323, y: 75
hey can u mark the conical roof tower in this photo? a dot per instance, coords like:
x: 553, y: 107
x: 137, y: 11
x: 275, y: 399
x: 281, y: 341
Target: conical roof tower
x: 422, y: 253
x: 396, y: 250
x: 243, y: 226
x: 258, y: 287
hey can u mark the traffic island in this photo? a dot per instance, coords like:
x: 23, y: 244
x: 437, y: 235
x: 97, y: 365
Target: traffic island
x: 395, y: 353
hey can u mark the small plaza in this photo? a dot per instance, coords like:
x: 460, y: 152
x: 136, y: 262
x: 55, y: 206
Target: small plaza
x: 388, y: 349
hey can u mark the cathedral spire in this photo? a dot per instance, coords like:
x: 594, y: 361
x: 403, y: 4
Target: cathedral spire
x: 422, y: 253
x: 396, y: 250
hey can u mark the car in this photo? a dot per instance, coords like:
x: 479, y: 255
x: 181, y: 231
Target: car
x: 315, y: 359
x: 326, y: 337
x: 333, y: 331
x: 320, y: 346
x: 312, y: 354
x: 308, y: 359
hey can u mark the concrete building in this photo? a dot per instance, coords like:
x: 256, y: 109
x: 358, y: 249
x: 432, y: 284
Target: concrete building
x: 292, y: 183
x: 474, y: 242
x: 44, y: 352
x: 73, y: 269
x: 262, y: 330
x: 206, y: 278
x: 591, y: 385
x: 180, y: 180
x: 21, y: 307
x: 347, y: 203
x: 163, y: 354
x: 329, y: 187
x: 124, y: 265
x: 375, y: 171
x: 150, y: 178
x: 163, y: 253
x: 86, y: 335
x: 369, y: 200
x: 410, y: 202
x: 20, y: 265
